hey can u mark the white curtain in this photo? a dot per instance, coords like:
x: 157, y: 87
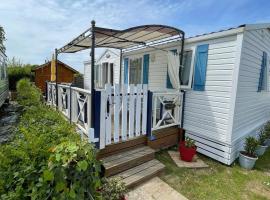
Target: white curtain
x: 173, y: 69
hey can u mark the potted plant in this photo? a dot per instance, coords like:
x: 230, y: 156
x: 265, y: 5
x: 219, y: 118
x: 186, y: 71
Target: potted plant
x: 261, y: 147
x: 187, y: 149
x: 248, y: 157
x: 267, y: 133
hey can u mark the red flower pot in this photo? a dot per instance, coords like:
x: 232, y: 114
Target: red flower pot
x: 186, y: 153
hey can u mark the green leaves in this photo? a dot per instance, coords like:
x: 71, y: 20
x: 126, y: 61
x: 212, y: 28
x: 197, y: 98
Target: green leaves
x: 47, y: 175
x: 46, y: 159
x: 82, y: 165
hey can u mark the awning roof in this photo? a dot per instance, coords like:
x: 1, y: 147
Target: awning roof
x: 121, y: 39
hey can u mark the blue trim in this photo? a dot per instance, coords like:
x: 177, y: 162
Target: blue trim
x: 145, y: 68
x: 200, y: 67
x: 263, y: 66
x: 149, y: 113
x: 97, y: 101
x: 126, y: 71
x: 168, y: 81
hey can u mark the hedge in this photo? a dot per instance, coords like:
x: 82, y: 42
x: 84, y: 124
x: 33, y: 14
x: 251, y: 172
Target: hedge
x: 16, y: 73
x: 47, y: 158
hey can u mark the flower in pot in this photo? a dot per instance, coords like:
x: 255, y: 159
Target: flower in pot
x: 248, y: 157
x: 187, y: 149
x: 261, y: 147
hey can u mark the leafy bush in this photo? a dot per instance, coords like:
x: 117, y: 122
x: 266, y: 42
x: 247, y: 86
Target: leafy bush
x: 28, y: 94
x: 47, y: 158
x: 113, y: 189
x: 251, y: 145
x: 16, y: 71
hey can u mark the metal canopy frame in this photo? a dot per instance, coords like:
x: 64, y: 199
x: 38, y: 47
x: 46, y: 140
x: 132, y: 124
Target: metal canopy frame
x: 124, y: 40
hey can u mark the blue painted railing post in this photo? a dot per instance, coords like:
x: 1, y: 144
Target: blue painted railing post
x: 149, y: 115
x: 97, y: 103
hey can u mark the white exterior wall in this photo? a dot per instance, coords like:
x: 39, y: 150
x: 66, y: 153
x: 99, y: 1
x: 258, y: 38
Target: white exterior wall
x: 114, y: 58
x: 206, y: 113
x: 252, y: 108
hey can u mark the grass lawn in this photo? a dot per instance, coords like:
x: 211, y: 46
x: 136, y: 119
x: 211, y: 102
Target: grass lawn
x: 219, y: 181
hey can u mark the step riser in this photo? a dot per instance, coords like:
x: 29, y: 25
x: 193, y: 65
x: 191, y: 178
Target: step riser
x: 144, y: 179
x: 128, y: 165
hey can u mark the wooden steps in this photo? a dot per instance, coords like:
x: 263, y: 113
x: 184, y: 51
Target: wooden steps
x: 133, y: 166
x: 141, y: 173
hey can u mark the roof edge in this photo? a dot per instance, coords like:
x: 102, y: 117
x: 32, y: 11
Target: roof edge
x: 59, y: 61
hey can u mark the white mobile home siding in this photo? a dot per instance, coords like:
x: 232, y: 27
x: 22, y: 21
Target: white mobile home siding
x: 252, y: 108
x: 206, y: 113
x: 114, y: 58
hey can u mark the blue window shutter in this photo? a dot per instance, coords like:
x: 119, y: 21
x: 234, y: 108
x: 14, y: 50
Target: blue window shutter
x: 145, y: 68
x: 168, y: 83
x: 126, y: 71
x: 200, y: 67
x: 263, y: 66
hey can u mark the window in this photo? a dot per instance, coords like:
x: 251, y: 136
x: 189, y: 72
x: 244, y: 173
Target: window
x: 135, y: 71
x: 263, y: 78
x: 187, y: 69
x: 104, y: 74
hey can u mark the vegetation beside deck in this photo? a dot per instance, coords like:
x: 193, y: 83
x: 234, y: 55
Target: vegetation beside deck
x: 47, y: 158
x: 219, y: 181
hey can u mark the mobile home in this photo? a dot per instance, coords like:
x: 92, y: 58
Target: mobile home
x: 107, y: 69
x: 225, y: 80
x: 3, y: 78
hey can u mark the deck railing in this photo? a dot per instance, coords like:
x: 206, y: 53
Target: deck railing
x: 121, y: 112
x: 75, y: 104
x: 166, y: 109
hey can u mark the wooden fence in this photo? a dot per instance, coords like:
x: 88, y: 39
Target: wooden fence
x: 122, y: 112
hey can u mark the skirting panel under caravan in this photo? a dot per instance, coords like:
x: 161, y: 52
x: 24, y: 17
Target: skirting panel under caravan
x: 222, y: 152
x: 213, y: 149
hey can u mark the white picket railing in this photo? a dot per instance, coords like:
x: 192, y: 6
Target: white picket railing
x: 75, y: 104
x: 167, y: 109
x: 123, y: 113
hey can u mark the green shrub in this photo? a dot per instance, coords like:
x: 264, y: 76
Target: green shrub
x: 28, y: 94
x: 251, y: 145
x: 47, y: 158
x: 262, y: 137
x: 113, y: 189
x: 15, y: 73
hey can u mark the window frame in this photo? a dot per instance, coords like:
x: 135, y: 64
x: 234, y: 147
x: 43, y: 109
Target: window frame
x: 191, y: 74
x: 132, y: 57
x: 266, y: 89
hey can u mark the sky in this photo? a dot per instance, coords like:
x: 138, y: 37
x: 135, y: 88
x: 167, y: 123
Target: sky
x: 34, y: 28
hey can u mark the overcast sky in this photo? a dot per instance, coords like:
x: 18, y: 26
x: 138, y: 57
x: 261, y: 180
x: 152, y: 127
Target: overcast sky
x: 34, y: 28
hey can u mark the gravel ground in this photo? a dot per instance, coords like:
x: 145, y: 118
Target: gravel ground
x: 9, y: 117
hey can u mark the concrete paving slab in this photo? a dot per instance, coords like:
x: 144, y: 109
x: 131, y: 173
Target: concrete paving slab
x: 154, y: 189
x: 196, y: 163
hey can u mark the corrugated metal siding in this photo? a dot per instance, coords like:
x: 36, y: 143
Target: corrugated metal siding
x: 252, y: 108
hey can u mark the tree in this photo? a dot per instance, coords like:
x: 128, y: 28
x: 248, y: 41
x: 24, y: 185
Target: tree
x: 2, y: 39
